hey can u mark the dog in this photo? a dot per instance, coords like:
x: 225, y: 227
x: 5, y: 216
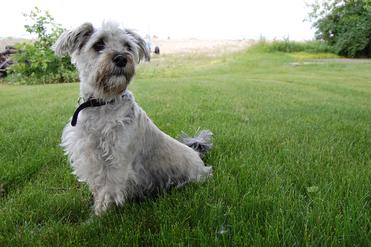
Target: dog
x: 157, y: 50
x: 111, y: 143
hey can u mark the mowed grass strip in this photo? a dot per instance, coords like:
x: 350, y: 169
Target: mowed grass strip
x: 291, y: 157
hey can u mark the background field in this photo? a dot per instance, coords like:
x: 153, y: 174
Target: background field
x: 291, y: 157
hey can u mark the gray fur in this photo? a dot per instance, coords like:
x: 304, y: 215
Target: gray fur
x: 143, y: 51
x: 200, y: 143
x: 70, y: 41
x: 115, y: 148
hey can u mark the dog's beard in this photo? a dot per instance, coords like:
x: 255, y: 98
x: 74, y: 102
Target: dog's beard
x: 112, y: 81
x: 115, y: 85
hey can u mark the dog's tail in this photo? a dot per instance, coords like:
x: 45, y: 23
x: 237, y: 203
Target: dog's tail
x: 200, y: 143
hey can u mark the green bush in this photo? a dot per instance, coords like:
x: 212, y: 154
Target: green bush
x: 345, y: 25
x: 36, y: 63
x: 295, y: 46
x: 35, y: 66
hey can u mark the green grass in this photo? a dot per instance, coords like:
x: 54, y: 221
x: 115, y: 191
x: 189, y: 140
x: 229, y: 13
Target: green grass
x: 291, y: 157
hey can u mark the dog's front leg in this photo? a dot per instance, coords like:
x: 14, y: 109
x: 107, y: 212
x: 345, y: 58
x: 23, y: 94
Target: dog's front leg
x: 102, y: 201
x: 105, y: 196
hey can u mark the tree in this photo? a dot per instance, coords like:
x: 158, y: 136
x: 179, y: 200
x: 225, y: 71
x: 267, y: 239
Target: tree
x: 345, y: 25
x: 35, y: 61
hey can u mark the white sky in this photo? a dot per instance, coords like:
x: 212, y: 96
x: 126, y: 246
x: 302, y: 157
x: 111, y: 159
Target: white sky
x: 203, y: 19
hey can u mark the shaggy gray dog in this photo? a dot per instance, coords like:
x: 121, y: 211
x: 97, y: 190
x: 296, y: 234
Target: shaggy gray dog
x: 111, y: 143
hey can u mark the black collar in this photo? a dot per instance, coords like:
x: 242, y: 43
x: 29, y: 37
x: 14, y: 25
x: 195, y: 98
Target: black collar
x: 91, y: 102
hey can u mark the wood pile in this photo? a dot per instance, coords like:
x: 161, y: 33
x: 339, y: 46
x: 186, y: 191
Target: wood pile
x: 5, y: 60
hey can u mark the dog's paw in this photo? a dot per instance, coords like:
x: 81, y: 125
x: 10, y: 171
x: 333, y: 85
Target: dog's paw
x: 101, y: 203
x: 103, y: 200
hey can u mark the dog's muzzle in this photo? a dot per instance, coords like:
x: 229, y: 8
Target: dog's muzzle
x: 120, y: 60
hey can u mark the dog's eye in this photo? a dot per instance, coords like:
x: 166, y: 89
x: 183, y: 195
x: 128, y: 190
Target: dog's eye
x: 129, y: 47
x: 99, y: 46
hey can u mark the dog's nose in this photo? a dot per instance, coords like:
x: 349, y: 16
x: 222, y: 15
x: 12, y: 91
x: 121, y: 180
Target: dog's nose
x: 120, y: 60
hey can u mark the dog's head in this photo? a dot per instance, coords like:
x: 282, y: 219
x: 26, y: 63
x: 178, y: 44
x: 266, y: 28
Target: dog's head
x: 105, y: 57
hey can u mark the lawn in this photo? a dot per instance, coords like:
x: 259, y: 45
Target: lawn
x: 291, y: 157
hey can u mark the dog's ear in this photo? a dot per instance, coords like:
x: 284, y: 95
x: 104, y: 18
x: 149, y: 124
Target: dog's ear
x: 142, y: 47
x: 73, y: 40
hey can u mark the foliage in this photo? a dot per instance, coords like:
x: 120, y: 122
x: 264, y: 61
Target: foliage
x: 36, y: 62
x: 345, y: 25
x: 43, y: 25
x: 289, y: 46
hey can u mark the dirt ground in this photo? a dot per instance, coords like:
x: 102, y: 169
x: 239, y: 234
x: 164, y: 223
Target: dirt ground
x: 10, y: 41
x: 172, y: 46
x: 333, y: 60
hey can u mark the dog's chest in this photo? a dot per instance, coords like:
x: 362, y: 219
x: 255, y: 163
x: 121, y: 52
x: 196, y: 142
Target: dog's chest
x: 102, y: 135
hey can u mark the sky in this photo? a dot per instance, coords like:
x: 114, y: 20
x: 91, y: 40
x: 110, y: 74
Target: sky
x: 202, y: 19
